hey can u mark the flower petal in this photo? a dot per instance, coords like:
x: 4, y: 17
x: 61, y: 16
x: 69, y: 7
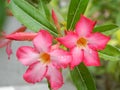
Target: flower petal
x: 60, y: 58
x: 84, y: 26
x: 22, y: 36
x: 9, y: 50
x: 98, y: 41
x: 42, y: 41
x: 35, y: 73
x: 27, y: 55
x: 91, y: 57
x: 54, y: 77
x: 77, y: 55
x: 4, y: 42
x: 69, y: 40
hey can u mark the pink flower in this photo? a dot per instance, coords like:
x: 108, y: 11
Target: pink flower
x: 44, y: 60
x: 83, y: 44
x: 7, y: 42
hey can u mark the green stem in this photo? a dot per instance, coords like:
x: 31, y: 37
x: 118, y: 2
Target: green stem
x: 49, y: 85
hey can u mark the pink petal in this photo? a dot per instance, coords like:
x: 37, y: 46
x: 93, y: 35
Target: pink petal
x: 27, y: 55
x: 98, y: 41
x: 4, y: 42
x: 43, y: 41
x: 9, y: 50
x: 54, y: 77
x: 84, y: 26
x: 55, y: 46
x: 35, y: 73
x: 91, y: 57
x: 69, y: 40
x: 77, y: 55
x: 60, y: 58
x: 22, y: 36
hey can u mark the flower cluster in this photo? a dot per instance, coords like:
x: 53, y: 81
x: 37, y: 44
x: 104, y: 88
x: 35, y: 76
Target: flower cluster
x: 46, y: 59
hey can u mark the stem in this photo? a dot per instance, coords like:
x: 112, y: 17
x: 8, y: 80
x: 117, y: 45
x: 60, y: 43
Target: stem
x: 49, y: 85
x: 58, y: 28
x: 107, y: 82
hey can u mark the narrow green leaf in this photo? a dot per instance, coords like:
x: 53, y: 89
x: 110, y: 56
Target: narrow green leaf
x: 82, y: 78
x: 36, y: 2
x: 30, y: 16
x: 105, y: 28
x: 44, y: 9
x: 110, y: 53
x: 76, y: 8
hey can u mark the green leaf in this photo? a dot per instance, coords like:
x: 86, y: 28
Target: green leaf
x: 110, y: 53
x: 35, y: 2
x: 82, y: 78
x: 44, y: 9
x: 30, y: 16
x: 47, y: 1
x: 2, y: 13
x: 106, y: 29
x: 76, y: 8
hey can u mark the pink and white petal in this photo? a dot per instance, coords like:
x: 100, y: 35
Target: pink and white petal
x: 60, y: 58
x: 77, y: 55
x: 91, y: 57
x: 9, y: 50
x: 43, y: 41
x: 54, y: 77
x: 98, y: 41
x: 35, y: 73
x: 84, y: 26
x: 27, y: 55
x: 69, y: 40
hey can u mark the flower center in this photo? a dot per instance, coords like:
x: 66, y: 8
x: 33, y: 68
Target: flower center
x: 45, y: 58
x: 81, y: 42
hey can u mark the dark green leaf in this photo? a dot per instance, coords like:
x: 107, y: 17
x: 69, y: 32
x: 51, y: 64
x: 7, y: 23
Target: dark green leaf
x: 76, y: 8
x: 37, y: 1
x: 44, y: 9
x: 105, y: 28
x: 110, y: 53
x: 82, y: 78
x: 46, y: 1
x: 2, y: 13
x: 30, y: 16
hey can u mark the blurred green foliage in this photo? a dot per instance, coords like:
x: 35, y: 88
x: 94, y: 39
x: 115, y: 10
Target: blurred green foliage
x: 2, y: 13
x: 107, y: 11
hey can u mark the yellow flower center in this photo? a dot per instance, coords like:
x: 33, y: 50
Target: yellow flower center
x: 81, y: 42
x: 45, y: 58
